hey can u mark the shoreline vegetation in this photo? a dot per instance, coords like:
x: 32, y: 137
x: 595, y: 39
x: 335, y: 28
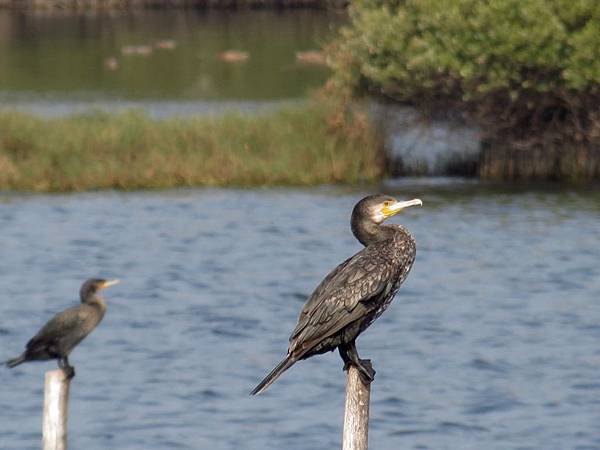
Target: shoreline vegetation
x: 294, y: 146
x: 526, y: 73
x: 115, y: 5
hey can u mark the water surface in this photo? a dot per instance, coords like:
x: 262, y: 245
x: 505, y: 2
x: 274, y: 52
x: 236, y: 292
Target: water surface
x: 491, y: 343
x: 64, y: 57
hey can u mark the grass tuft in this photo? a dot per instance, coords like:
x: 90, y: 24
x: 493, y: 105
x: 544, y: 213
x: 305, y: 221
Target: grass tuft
x: 298, y: 146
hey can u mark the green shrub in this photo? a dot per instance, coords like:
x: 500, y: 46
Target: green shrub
x: 526, y: 69
x: 473, y: 47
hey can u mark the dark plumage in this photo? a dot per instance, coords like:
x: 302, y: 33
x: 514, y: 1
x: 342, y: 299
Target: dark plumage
x: 65, y: 330
x: 356, y: 292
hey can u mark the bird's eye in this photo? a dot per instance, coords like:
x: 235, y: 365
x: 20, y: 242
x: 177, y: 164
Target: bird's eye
x: 386, y: 203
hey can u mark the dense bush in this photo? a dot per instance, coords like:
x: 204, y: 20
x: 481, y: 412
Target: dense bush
x: 528, y: 70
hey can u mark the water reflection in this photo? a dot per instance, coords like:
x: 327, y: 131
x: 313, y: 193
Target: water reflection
x: 65, y: 57
x: 491, y: 343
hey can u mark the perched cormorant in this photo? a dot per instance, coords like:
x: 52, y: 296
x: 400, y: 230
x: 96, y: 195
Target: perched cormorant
x: 356, y: 292
x: 65, y: 330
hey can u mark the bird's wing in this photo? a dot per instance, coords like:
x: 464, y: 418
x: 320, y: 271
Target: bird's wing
x: 342, y: 297
x: 56, y: 328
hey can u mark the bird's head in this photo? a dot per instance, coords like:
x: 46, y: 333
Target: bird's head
x: 93, y: 285
x: 377, y: 208
x: 371, y: 211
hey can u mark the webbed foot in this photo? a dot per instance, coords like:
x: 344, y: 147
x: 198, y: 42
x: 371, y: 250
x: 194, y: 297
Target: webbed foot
x: 364, y: 366
x: 69, y: 372
x: 67, y: 369
x: 365, y: 370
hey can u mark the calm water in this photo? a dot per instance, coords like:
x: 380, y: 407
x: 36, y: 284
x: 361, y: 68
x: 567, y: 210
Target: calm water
x: 492, y: 343
x: 45, y: 58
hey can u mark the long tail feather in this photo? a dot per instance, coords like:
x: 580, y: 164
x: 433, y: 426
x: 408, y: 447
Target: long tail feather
x: 15, y: 361
x: 273, y: 375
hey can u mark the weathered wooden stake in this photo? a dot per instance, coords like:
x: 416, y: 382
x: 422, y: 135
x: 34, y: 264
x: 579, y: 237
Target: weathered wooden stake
x: 56, y: 410
x: 356, y: 413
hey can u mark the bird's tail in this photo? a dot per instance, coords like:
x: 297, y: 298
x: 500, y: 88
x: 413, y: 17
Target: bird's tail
x: 15, y: 361
x: 274, y: 374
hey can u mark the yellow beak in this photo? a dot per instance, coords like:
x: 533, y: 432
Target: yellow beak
x: 395, y: 208
x: 109, y: 283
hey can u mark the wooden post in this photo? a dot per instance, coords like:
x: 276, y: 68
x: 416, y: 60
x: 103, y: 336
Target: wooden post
x: 356, y: 413
x: 56, y: 410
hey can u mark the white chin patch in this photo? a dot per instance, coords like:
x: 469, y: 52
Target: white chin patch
x: 378, y: 216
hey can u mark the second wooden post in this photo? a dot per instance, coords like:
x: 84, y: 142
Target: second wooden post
x: 56, y: 410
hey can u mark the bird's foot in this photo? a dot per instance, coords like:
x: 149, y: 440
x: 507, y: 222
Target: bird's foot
x: 365, y: 370
x: 69, y: 372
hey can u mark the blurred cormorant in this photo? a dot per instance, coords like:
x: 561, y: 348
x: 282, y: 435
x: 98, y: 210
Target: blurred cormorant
x: 65, y: 330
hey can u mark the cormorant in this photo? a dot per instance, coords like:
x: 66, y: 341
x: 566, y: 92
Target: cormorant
x: 356, y: 292
x: 65, y: 330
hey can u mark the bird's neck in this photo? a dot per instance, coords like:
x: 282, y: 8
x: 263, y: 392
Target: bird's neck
x: 369, y: 232
x: 96, y: 302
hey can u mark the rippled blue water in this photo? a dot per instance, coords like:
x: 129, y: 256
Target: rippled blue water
x: 492, y: 343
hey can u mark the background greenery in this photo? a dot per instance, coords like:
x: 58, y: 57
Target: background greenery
x: 527, y: 71
x: 294, y: 146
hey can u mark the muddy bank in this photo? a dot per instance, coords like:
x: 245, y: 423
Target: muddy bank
x: 553, y: 161
x: 416, y: 144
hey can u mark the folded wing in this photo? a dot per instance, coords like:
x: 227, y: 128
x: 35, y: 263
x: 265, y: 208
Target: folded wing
x: 344, y: 296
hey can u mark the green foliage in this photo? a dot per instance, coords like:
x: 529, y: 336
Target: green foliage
x: 526, y: 71
x: 292, y: 146
x: 470, y: 48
